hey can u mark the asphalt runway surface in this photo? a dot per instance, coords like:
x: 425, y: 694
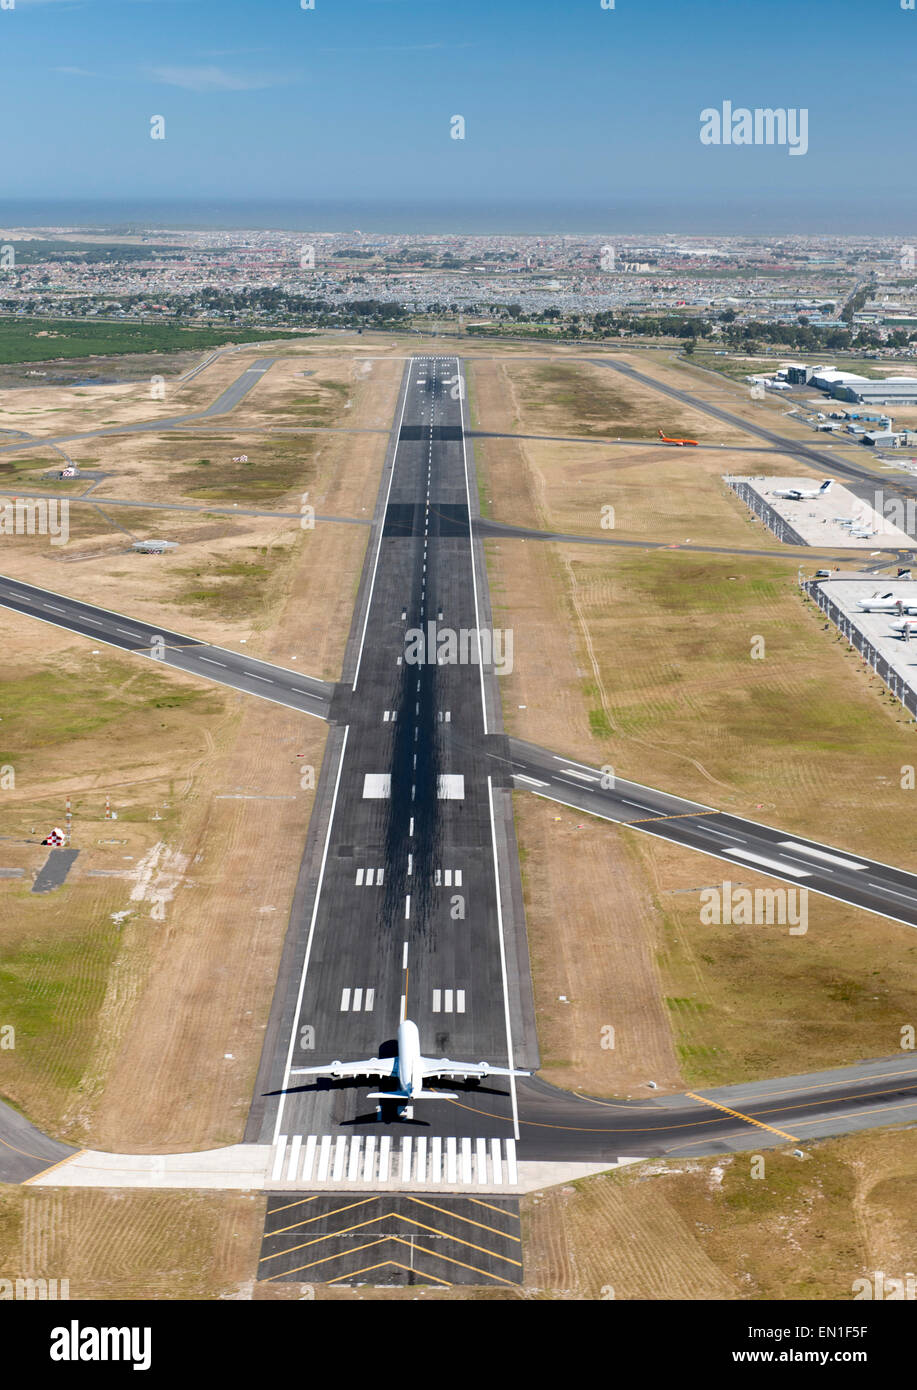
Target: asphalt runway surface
x: 741, y: 843
x: 399, y: 911
x: 840, y: 873
x: 55, y: 869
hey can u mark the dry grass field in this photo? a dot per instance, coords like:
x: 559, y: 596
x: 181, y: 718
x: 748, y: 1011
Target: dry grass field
x: 643, y: 660
x: 158, y: 957
x: 133, y: 1245
x: 568, y: 398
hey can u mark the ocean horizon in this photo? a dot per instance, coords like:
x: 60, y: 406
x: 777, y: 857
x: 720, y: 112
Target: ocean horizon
x: 635, y: 216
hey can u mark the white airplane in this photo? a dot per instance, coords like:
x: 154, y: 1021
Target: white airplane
x: 410, y: 1069
x: 887, y: 603
x: 801, y: 494
x: 906, y: 629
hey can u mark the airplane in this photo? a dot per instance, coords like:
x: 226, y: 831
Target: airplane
x: 801, y: 494
x: 410, y: 1069
x: 681, y: 442
x: 887, y: 603
x: 906, y: 629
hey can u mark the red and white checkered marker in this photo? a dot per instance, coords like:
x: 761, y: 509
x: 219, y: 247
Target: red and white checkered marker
x: 55, y: 838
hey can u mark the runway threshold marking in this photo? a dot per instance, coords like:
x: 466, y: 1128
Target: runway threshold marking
x: 692, y: 1095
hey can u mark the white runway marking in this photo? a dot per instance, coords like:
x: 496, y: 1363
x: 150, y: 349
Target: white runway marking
x: 820, y: 854
x: 450, y: 786
x: 377, y: 785
x: 769, y: 863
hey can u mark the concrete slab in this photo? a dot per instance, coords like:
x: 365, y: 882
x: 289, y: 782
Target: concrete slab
x: 54, y: 870
x: 240, y: 1166
x: 245, y: 1167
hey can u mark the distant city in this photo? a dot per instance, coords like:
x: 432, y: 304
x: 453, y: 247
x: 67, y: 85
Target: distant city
x: 803, y: 292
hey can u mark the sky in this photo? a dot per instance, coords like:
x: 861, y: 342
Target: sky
x: 355, y: 99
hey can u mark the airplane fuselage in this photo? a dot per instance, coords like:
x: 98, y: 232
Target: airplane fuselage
x: 410, y: 1072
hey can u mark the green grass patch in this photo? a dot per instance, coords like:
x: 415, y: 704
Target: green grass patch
x: 19, y: 340
x: 237, y: 587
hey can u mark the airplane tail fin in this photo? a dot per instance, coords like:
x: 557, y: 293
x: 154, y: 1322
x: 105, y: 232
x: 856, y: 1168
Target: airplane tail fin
x: 825, y: 485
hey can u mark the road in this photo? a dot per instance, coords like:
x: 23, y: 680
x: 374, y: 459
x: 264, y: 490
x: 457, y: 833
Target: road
x: 743, y: 844
x: 501, y: 530
x: 90, y: 499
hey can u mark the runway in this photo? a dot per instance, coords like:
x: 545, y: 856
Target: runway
x: 409, y: 903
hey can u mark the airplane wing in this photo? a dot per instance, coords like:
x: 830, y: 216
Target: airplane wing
x: 372, y: 1066
x: 442, y: 1066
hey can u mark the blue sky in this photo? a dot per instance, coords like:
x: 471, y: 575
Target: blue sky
x: 561, y: 100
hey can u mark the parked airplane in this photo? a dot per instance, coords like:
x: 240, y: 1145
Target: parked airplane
x: 906, y: 629
x: 887, y: 603
x: 666, y: 440
x: 801, y: 494
x: 410, y: 1069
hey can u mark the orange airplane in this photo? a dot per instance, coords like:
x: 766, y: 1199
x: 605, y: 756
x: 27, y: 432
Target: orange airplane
x: 666, y: 440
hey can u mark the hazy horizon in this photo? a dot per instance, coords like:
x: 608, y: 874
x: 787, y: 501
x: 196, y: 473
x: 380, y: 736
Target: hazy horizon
x: 634, y: 216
